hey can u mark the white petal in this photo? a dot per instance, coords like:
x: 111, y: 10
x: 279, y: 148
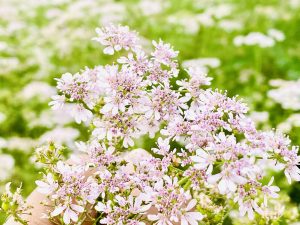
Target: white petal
x: 57, y: 211
x: 191, y: 204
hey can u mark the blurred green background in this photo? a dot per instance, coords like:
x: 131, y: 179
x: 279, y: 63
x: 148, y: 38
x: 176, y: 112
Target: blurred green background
x: 40, y: 40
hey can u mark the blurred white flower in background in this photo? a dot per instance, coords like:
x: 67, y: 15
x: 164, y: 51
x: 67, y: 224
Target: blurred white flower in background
x: 230, y: 25
x: 20, y: 143
x: 41, y: 90
x: 259, y: 117
x: 202, y: 63
x: 188, y: 22
x: 277, y: 35
x: 294, y: 3
x: 61, y: 135
x: 287, y: 93
x: 151, y: 7
x: 254, y: 38
x: 2, y: 117
x: 6, y: 166
x: 205, y: 19
x: 260, y: 39
x: 292, y: 121
x: 50, y: 118
x: 116, y: 12
x: 3, y: 142
x: 8, y: 64
x: 220, y: 11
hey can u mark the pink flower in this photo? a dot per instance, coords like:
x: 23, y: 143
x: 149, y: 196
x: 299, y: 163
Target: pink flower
x: 292, y: 172
x: 164, y: 53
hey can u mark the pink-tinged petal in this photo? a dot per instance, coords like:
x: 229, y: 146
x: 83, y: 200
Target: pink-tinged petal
x: 250, y: 213
x: 66, y: 217
x: 231, y: 186
x: 106, y: 108
x: 271, y: 181
x: 153, y: 217
x: 223, y: 186
x: 257, y: 208
x: 209, y: 169
x: 214, y: 178
x: 191, y: 204
x: 201, y: 152
x: 197, y: 159
x: 77, y: 208
x: 239, y: 179
x: 73, y: 215
x: 184, y: 221
x: 41, y: 184
x: 100, y: 207
x: 288, y: 177
x: 196, y: 216
x: 57, y: 211
x: 242, y: 210
x: 109, y: 50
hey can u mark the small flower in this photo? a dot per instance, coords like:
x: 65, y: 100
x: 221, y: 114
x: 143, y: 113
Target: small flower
x: 292, y: 172
x: 13, y: 203
x: 249, y: 207
x: 188, y: 217
x: 80, y: 113
x: 70, y: 212
x: 115, y: 38
x: 228, y: 180
x: 47, y: 187
x: 58, y: 102
x: 270, y: 190
x: 164, y: 53
x: 203, y: 160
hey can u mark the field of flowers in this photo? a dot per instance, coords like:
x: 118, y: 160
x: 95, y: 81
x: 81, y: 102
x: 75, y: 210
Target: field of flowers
x: 248, y: 48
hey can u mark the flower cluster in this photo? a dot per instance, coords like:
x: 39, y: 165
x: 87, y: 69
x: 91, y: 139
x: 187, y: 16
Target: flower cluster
x: 206, y: 144
x: 14, y: 204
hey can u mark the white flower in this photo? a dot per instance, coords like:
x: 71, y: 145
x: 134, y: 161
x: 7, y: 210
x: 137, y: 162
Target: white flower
x: 41, y: 90
x: 160, y: 219
x: 228, y: 181
x: 65, y: 81
x: 136, y: 204
x: 6, y: 166
x: 276, y: 34
x: 292, y: 172
x: 80, y: 113
x: 270, y: 191
x: 203, y: 160
x: 61, y: 135
x: 70, y: 212
x: 254, y: 38
x: 47, y: 187
x: 191, y: 217
x: 247, y: 208
x: 58, y: 102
